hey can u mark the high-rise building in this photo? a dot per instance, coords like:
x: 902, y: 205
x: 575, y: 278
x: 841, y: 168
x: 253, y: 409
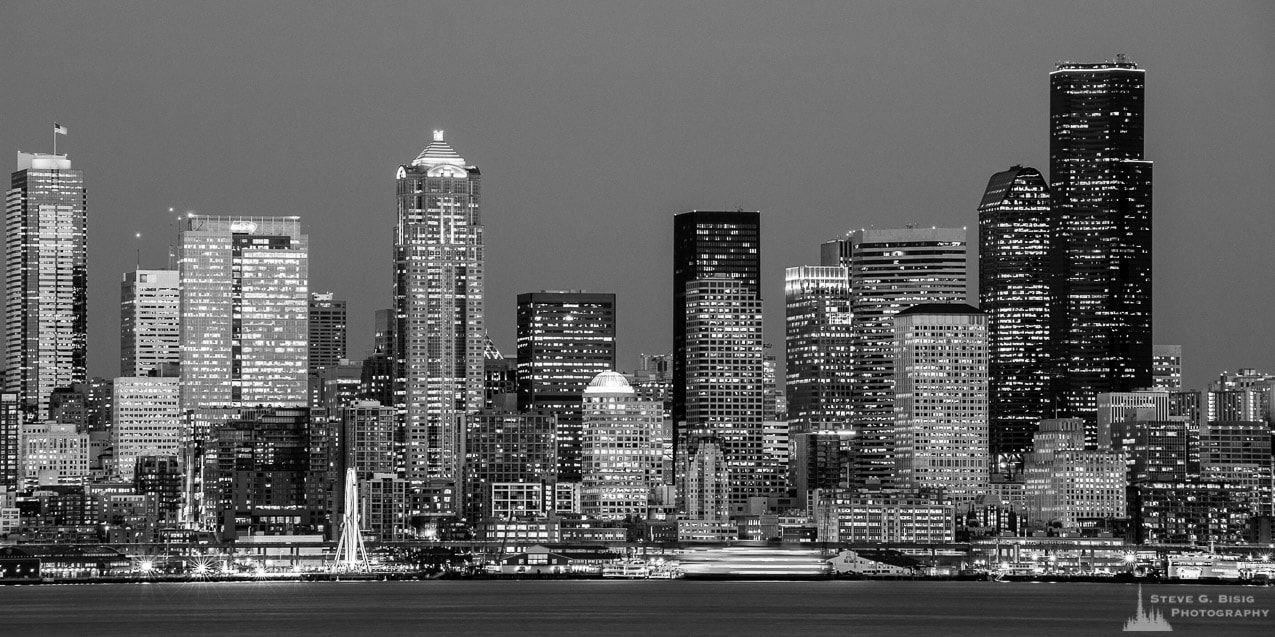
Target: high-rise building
x: 1166, y: 367
x: 10, y: 439
x: 148, y: 420
x: 890, y: 271
x: 1014, y: 286
x: 46, y: 280
x: 244, y: 296
x: 150, y: 321
x: 819, y: 347
x: 1101, y: 193
x: 503, y: 447
x: 717, y: 344
x: 327, y: 330
x: 565, y: 339
x: 724, y: 380
x: 368, y: 438
x: 438, y: 295
x: 1067, y: 485
x: 941, y: 405
x: 621, y: 457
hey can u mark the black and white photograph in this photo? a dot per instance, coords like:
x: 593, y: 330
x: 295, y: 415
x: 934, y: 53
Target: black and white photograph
x: 647, y: 317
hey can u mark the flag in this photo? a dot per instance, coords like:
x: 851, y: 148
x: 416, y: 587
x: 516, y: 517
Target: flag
x: 59, y: 129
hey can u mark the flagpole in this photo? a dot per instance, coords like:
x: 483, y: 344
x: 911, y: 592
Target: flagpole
x: 55, y: 139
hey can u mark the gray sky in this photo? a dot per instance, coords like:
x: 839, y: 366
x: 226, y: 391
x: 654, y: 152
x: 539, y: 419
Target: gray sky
x: 593, y: 123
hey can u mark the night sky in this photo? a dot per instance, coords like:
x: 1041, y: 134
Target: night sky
x: 594, y: 123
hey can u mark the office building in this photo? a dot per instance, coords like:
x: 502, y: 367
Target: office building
x: 717, y: 342
x: 503, y: 447
x: 327, y: 331
x: 1014, y: 286
x: 565, y: 339
x: 620, y: 449
x: 244, y: 297
x: 53, y: 454
x: 148, y: 421
x: 819, y: 348
x: 46, y: 280
x: 150, y: 322
x: 368, y: 438
x: 1067, y: 486
x: 941, y: 404
x: 1166, y: 367
x: 890, y: 271
x: 10, y: 440
x: 1101, y: 188
x: 438, y: 297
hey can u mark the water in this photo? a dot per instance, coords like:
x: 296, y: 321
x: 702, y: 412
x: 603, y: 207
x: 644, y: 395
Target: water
x: 616, y: 608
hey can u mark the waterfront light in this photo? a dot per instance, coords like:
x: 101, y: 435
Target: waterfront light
x: 146, y: 566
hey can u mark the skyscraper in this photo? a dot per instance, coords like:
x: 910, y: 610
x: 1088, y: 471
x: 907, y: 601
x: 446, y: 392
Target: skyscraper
x: 147, y: 420
x: 438, y: 296
x: 621, y: 460
x: 244, y: 295
x: 941, y: 431
x: 890, y: 271
x: 327, y: 330
x: 819, y: 346
x: 150, y: 321
x: 46, y: 279
x: 1014, y: 221
x: 1101, y: 185
x: 717, y: 260
x: 565, y: 339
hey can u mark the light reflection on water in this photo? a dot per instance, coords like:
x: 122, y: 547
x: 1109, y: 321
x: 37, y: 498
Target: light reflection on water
x: 600, y: 607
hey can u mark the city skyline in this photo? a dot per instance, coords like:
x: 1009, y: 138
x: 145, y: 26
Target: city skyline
x: 843, y: 134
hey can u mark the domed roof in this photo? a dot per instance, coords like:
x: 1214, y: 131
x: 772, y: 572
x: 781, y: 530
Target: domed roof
x: 608, y: 383
x: 438, y: 152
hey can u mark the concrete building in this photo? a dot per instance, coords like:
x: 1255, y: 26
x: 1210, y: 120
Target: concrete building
x: 506, y: 447
x: 148, y: 421
x: 46, y: 280
x: 619, y: 450
x: 885, y: 517
x: 1166, y: 367
x: 53, y: 454
x: 941, y: 400
x: 1067, y: 486
x: 150, y: 322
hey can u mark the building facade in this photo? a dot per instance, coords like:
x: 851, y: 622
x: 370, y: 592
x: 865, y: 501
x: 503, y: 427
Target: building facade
x: 150, y: 322
x: 941, y: 400
x: 1101, y: 188
x: 819, y: 348
x: 244, y: 314
x: 148, y: 421
x: 620, y: 449
x: 1014, y: 226
x: 328, y: 340
x: 438, y: 295
x: 890, y: 271
x: 565, y: 339
x: 46, y: 280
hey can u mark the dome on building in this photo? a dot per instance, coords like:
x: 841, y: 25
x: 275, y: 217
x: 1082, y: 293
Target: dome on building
x: 608, y: 383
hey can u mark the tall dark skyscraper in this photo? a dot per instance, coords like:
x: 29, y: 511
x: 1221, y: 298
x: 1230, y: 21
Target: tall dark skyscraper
x: 327, y: 330
x: 1101, y: 188
x: 438, y: 295
x: 46, y: 280
x: 1014, y: 221
x: 717, y: 270
x: 565, y: 339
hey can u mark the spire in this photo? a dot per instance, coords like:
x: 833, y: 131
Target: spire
x: 437, y: 153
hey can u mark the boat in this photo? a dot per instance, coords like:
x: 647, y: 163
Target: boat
x: 631, y: 569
